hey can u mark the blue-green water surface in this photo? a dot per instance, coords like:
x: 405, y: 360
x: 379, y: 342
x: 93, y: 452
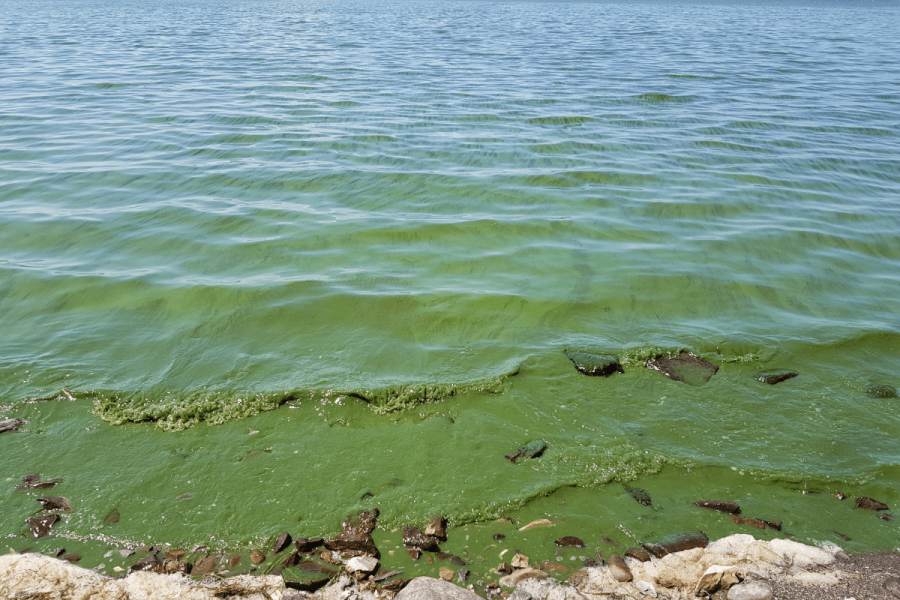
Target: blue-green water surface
x: 294, y: 259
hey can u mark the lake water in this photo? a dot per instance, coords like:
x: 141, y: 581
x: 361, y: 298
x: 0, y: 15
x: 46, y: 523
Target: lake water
x: 266, y: 263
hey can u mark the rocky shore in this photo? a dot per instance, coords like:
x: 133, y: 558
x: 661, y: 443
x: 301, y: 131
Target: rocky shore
x: 737, y: 567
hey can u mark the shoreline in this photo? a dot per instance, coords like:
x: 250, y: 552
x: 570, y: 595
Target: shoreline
x: 737, y: 566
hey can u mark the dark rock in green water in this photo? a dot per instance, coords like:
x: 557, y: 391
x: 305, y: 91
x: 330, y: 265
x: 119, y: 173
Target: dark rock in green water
x: 499, y: 536
x: 776, y: 376
x: 569, y: 541
x: 33, y: 482
x: 307, y: 576
x: 678, y: 543
x: 11, y: 425
x: 205, y: 565
x: 640, y: 495
x: 55, y: 503
x: 40, y: 526
x: 281, y: 542
x: 308, y: 544
x: 722, y: 506
x: 530, y: 450
x: 360, y: 543
x: 361, y: 522
x: 595, y: 365
x: 148, y: 563
x: 758, y: 523
x: 112, y: 517
x: 684, y: 367
x: 870, y: 504
x: 416, y: 538
x: 882, y: 391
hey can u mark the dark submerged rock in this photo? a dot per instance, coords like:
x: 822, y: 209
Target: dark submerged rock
x: 684, y: 367
x: 33, y: 482
x: 55, y: 503
x: 499, y: 536
x: 776, y: 376
x: 569, y: 541
x: 11, y: 425
x: 882, y: 391
x: 416, y: 538
x: 308, y: 544
x: 530, y: 450
x: 41, y: 526
x: 640, y: 495
x: 363, y: 521
x: 685, y: 541
x: 637, y: 554
x: 595, y: 365
x: 722, y: 506
x: 763, y: 524
x: 870, y: 504
x: 281, y: 542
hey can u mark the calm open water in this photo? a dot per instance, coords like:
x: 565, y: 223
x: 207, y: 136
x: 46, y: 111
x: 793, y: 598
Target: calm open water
x: 209, y: 207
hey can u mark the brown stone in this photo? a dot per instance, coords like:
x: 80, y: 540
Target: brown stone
x: 281, y: 542
x: 547, y: 565
x: 569, y: 541
x: 722, y: 506
x: 637, y: 554
x: 504, y: 568
x: 578, y: 577
x: 395, y: 585
x: 414, y: 553
x: 776, y: 377
x: 446, y: 574
x: 206, y: 565
x: 618, y: 570
x: 870, y: 504
x: 291, y: 560
x: 363, y: 521
x: 308, y: 544
x: 72, y: 557
x: 416, y: 538
x: 174, y: 554
x: 840, y: 495
x: 257, y: 557
x: 358, y: 543
x: 437, y: 528
x: 41, y: 526
x: 609, y: 540
x: 233, y: 560
x: 175, y: 566
x: 55, y: 503
x: 538, y: 523
x: 763, y: 524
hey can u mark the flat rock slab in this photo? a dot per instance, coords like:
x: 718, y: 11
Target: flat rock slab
x: 416, y: 538
x: 533, y: 449
x: 11, y: 425
x: 570, y: 541
x: 723, y: 506
x: 55, y: 503
x: 33, y: 482
x: 776, y: 376
x: 426, y: 588
x: 679, y: 543
x: 40, y: 526
x: 595, y: 365
x: 684, y: 367
x: 361, y: 543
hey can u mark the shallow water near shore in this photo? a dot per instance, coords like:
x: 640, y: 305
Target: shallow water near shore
x: 264, y: 265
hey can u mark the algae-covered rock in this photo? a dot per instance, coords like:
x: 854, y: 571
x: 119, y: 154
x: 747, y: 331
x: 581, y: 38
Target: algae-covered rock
x: 776, y: 376
x: 595, y: 365
x: 684, y: 367
x: 882, y: 391
x: 11, y: 425
x: 723, y: 506
x: 40, y: 526
x: 307, y: 576
x: 33, y: 482
x: 416, y: 538
x: 530, y: 450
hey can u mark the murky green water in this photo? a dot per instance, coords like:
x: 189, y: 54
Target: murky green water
x: 264, y: 264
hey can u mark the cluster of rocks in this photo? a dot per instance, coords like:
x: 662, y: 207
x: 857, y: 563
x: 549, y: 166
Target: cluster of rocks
x: 687, y: 367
